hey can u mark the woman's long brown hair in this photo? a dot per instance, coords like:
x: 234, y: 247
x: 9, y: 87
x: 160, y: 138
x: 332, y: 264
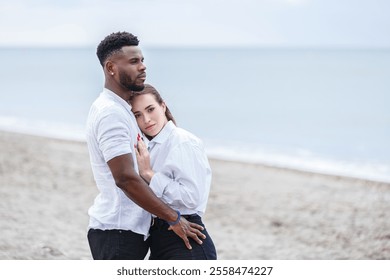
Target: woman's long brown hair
x: 149, y: 89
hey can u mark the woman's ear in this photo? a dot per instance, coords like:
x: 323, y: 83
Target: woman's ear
x: 164, y: 106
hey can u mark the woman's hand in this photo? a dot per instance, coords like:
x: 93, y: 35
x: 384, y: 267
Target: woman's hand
x: 143, y: 160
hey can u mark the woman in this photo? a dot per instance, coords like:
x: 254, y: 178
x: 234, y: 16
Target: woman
x: 174, y: 164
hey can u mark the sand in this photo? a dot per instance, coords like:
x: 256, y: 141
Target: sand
x: 254, y: 211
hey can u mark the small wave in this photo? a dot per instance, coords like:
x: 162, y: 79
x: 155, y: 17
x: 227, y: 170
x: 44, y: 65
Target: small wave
x: 300, y: 159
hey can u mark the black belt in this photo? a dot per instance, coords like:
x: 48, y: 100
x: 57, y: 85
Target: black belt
x: 156, y: 220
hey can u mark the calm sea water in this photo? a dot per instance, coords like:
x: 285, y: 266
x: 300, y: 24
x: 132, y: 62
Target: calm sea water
x: 319, y: 110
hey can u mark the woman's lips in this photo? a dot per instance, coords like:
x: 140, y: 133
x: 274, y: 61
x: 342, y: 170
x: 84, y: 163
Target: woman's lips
x: 149, y: 127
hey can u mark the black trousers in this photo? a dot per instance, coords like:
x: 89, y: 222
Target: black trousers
x: 117, y: 245
x: 166, y: 245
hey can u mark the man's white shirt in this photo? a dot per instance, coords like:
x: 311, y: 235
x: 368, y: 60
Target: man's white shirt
x: 112, y: 131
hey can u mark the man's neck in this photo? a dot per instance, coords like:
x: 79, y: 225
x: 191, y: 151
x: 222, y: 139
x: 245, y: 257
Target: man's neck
x: 124, y: 94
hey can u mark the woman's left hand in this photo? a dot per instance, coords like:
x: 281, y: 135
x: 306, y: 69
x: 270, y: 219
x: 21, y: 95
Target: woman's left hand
x: 143, y: 160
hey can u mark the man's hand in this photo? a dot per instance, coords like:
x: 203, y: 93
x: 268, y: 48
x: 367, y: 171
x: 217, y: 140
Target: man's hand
x: 137, y: 190
x: 185, y: 229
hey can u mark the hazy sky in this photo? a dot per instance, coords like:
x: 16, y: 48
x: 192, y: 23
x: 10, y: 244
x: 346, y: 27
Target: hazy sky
x: 266, y: 23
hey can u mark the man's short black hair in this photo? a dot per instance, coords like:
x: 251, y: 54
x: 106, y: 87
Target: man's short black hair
x: 114, y: 43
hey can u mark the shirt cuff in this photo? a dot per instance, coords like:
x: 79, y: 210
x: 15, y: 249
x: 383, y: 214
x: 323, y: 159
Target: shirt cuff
x: 158, y: 183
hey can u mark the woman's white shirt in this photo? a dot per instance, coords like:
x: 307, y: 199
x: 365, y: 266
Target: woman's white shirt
x: 182, y: 173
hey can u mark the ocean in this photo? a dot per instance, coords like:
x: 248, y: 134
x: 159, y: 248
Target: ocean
x: 317, y: 110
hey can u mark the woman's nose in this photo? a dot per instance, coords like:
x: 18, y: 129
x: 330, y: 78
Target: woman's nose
x: 146, y: 119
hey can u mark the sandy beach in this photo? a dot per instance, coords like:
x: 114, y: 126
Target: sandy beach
x: 254, y: 211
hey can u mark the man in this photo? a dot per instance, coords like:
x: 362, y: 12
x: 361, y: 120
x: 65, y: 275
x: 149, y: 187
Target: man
x: 120, y: 216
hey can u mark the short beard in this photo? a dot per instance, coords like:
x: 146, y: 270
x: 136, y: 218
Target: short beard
x: 136, y: 88
x: 128, y: 84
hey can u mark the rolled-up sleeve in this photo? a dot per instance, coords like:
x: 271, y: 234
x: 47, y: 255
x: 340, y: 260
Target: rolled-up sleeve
x: 183, y: 178
x: 113, y: 136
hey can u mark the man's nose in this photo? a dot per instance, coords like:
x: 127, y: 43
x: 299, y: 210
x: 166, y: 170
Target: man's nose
x: 142, y: 66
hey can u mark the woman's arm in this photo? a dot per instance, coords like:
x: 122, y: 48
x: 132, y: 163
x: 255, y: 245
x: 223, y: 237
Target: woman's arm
x: 184, y: 178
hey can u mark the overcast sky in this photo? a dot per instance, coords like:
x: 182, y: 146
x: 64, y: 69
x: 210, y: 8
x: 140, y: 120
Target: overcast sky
x: 264, y: 23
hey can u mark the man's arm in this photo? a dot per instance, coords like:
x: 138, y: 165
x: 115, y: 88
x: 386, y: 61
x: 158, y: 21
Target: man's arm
x: 122, y: 169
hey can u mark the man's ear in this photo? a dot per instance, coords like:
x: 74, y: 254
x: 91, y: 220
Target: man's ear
x: 110, y: 68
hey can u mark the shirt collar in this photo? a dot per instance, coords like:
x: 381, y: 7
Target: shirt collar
x: 118, y: 99
x: 163, y: 135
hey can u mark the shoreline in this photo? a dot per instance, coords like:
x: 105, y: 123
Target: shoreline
x: 254, y: 211
x: 77, y: 135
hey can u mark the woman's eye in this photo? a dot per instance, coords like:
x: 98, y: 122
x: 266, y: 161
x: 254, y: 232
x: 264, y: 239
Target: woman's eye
x: 136, y: 116
x: 151, y: 109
